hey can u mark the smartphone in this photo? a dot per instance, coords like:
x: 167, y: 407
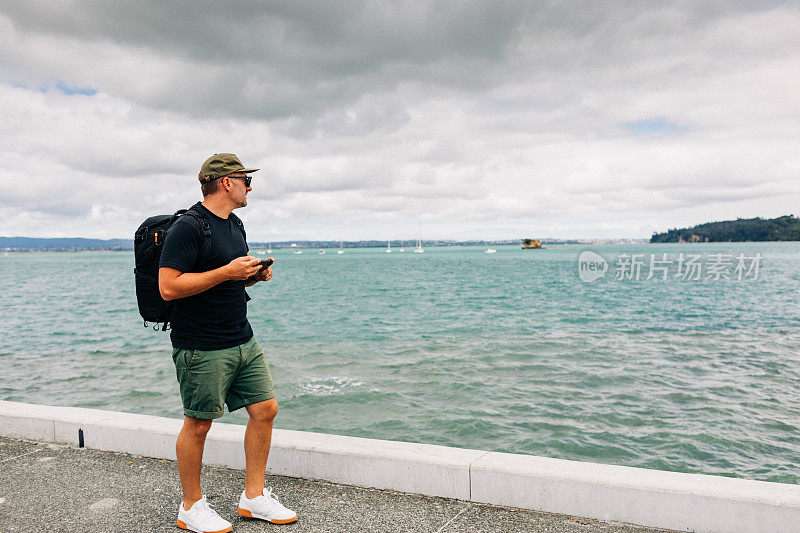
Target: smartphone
x: 265, y: 263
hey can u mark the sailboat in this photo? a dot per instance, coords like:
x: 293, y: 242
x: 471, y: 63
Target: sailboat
x: 418, y: 249
x: 341, y: 248
x: 388, y: 247
x: 269, y: 248
x: 490, y: 250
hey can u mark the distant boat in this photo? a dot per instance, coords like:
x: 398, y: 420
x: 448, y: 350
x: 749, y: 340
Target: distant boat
x: 269, y: 248
x: 341, y: 251
x: 297, y: 252
x: 490, y: 250
x: 388, y: 247
x: 322, y: 252
x: 418, y: 249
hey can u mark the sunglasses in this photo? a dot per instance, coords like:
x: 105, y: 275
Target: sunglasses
x: 247, y: 179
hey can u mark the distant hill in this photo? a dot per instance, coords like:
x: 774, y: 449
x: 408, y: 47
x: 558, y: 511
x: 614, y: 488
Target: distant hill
x: 785, y: 228
x: 32, y: 244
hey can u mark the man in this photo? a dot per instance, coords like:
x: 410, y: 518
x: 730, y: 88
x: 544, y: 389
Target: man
x: 217, y: 359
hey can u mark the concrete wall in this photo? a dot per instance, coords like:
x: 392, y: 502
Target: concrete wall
x: 688, y: 502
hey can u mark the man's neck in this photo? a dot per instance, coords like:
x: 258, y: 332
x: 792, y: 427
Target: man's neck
x: 217, y: 205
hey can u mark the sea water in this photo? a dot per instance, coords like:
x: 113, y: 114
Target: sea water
x: 509, y: 352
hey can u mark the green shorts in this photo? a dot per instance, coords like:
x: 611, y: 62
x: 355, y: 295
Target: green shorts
x: 237, y: 376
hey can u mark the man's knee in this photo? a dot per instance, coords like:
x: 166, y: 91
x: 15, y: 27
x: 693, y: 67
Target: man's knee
x: 263, y: 412
x: 196, y: 427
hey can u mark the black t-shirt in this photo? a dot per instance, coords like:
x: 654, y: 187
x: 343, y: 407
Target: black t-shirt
x: 216, y: 318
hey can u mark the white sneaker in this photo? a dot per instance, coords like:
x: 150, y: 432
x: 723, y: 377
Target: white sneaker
x: 266, y: 507
x: 202, y: 519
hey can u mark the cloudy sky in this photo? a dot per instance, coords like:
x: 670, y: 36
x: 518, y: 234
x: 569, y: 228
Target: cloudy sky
x: 387, y: 120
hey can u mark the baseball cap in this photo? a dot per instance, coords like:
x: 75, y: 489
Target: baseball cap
x: 221, y: 165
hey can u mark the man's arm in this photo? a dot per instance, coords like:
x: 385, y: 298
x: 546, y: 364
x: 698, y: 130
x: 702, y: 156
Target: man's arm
x: 174, y: 284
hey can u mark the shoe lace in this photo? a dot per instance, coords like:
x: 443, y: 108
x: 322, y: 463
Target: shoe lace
x: 205, y: 512
x: 269, y: 495
x: 202, y: 504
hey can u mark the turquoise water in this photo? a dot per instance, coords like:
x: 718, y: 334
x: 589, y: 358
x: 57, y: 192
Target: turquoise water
x: 506, y: 352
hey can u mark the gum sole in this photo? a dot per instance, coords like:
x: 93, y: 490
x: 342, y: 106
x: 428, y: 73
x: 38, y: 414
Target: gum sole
x: 182, y: 525
x: 248, y: 514
x: 285, y: 521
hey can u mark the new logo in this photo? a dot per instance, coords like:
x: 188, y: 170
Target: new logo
x: 591, y: 266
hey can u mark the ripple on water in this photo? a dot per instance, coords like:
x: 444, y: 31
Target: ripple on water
x: 698, y: 377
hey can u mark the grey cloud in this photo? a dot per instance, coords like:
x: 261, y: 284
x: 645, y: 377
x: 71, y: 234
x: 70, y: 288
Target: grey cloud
x: 58, y: 204
x: 690, y: 196
x: 448, y: 112
x: 248, y: 59
x: 334, y: 38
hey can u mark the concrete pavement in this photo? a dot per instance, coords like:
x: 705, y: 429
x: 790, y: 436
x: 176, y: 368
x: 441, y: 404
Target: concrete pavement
x: 47, y: 487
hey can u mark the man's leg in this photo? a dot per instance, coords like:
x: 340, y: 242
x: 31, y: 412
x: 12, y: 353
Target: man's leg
x: 257, y: 438
x: 252, y: 389
x: 189, y: 450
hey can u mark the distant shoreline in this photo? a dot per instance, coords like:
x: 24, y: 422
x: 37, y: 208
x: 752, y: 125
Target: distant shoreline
x: 94, y: 245
x: 554, y: 245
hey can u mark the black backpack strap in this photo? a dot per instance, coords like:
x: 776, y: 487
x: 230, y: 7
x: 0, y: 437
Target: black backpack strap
x: 205, y: 228
x: 240, y: 225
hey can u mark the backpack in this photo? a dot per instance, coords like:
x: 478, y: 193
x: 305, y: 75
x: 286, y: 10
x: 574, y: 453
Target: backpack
x: 147, y: 245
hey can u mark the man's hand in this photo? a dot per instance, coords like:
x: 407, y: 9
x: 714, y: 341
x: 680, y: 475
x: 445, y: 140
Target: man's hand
x: 242, y: 268
x: 265, y: 274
